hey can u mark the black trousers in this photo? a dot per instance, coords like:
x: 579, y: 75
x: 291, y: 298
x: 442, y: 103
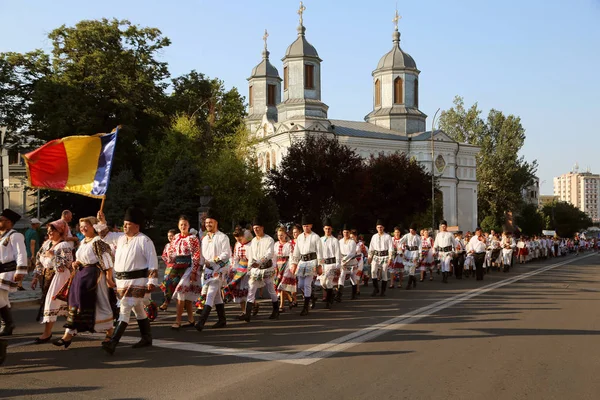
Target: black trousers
x: 459, y: 264
x: 479, y: 259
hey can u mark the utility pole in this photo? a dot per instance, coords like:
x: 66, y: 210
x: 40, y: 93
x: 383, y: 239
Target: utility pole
x: 2, y: 136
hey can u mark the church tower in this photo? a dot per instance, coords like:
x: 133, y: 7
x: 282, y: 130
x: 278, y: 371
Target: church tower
x: 396, y: 91
x: 264, y: 91
x: 301, y: 81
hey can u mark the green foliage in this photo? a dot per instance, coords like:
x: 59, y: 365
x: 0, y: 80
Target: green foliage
x: 502, y: 174
x: 491, y: 223
x: 565, y: 218
x: 124, y: 191
x: 530, y: 221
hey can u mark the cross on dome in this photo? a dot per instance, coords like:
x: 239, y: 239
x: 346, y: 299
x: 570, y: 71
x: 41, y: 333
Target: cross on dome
x: 396, y: 19
x: 265, y: 36
x: 301, y: 11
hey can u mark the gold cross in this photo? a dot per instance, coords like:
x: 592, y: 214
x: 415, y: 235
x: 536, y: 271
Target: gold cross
x: 396, y: 19
x: 301, y: 11
x: 265, y: 36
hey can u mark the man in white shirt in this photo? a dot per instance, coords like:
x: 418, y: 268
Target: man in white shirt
x: 216, y: 253
x: 508, y: 245
x: 411, y: 243
x: 478, y: 250
x: 331, y: 261
x: 136, y: 273
x: 349, y: 263
x: 380, y: 257
x: 262, y: 263
x: 307, y: 260
x: 444, y: 246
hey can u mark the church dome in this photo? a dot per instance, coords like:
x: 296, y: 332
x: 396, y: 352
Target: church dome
x: 265, y: 68
x: 396, y: 58
x: 301, y: 47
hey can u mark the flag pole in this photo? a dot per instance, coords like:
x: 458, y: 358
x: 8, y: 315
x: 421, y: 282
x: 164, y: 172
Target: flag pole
x: 102, y: 204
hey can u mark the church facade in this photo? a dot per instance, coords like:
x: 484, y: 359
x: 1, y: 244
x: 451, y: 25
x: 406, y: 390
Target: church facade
x: 282, y: 110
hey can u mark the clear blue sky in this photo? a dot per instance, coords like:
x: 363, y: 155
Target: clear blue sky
x: 536, y: 59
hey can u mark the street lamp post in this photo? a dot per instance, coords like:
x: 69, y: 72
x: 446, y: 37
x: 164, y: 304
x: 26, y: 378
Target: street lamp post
x: 205, y: 200
x: 433, y: 172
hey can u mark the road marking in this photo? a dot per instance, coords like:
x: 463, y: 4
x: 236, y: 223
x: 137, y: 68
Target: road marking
x: 325, y: 350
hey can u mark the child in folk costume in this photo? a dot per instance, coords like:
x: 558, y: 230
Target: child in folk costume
x: 361, y: 255
x: 238, y: 286
x: 426, y: 255
x: 349, y: 267
x: 366, y: 268
x: 397, y: 267
x: 172, y: 274
x: 469, y: 259
x: 287, y: 275
x: 521, y: 250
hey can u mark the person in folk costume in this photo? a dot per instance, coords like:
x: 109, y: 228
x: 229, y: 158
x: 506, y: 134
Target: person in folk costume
x: 262, y: 264
x: 426, y: 255
x: 53, y: 267
x: 361, y: 256
x: 287, y: 280
x: 397, y: 267
x: 469, y: 265
x: 88, y: 294
x: 332, y: 262
x: 478, y: 250
x: 349, y: 264
x: 521, y: 250
x: 307, y: 259
x: 13, y: 266
x: 216, y: 254
x: 411, y: 242
x: 238, y: 287
x: 459, y: 255
x: 188, y: 258
x: 136, y: 273
x: 444, y: 245
x: 380, y: 257
x: 172, y: 273
x: 296, y: 231
x: 508, y: 246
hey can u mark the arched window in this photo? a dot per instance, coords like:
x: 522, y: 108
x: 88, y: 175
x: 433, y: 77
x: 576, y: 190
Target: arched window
x: 251, y: 97
x: 273, y: 158
x: 398, y: 96
x: 285, y: 78
x: 416, y: 93
x: 268, y: 163
x: 377, y: 93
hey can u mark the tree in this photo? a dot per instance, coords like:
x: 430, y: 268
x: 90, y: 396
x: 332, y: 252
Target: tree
x: 565, y: 218
x: 502, y: 174
x: 316, y: 177
x: 529, y: 220
x: 124, y: 191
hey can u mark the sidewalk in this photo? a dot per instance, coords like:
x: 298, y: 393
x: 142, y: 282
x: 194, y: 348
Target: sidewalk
x: 29, y: 296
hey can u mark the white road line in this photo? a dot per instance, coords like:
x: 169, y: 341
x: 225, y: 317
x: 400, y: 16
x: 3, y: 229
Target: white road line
x: 319, y: 352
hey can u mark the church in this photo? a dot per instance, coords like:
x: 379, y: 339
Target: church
x: 395, y: 124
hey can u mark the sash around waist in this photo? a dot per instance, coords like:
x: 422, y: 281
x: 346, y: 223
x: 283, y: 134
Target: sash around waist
x: 140, y: 273
x: 330, y: 260
x: 445, y: 249
x: 308, y: 257
x: 8, y: 266
x: 381, y: 253
x: 183, y: 259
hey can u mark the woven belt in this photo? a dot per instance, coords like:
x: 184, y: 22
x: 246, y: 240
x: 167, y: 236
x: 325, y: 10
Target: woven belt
x: 412, y: 248
x: 445, y: 249
x: 8, y: 267
x: 381, y: 253
x: 183, y: 259
x: 140, y: 273
x: 308, y: 257
x: 330, y: 260
x: 267, y: 265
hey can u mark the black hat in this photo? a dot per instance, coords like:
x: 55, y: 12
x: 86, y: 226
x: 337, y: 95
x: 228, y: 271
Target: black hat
x: 380, y: 222
x: 346, y: 227
x: 443, y: 222
x: 413, y: 226
x: 11, y: 215
x: 327, y: 222
x: 134, y: 215
x: 257, y: 221
x: 306, y: 220
x: 212, y: 214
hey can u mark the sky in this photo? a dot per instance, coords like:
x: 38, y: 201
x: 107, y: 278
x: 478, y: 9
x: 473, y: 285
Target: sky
x: 539, y: 60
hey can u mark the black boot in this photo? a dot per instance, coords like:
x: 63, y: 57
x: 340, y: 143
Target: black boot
x: 3, y: 346
x: 329, y: 299
x: 146, y: 340
x: 222, y: 322
x: 7, y: 321
x: 203, y: 318
x: 414, y: 279
x: 111, y: 345
x: 248, y: 311
x: 275, y: 313
x: 305, y: 308
x: 313, y: 301
x: 383, y: 288
x: 338, y: 295
x: 353, y: 293
x: 375, y: 288
x: 445, y: 277
x: 409, y: 284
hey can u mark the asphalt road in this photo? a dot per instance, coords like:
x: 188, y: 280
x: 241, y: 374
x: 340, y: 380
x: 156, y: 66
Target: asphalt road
x: 532, y: 333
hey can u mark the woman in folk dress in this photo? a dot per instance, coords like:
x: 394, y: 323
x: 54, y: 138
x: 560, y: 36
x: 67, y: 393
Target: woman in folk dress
x: 238, y: 287
x: 426, y: 251
x: 53, y: 263
x: 90, y: 308
x: 396, y: 269
x: 288, y: 280
x: 186, y: 249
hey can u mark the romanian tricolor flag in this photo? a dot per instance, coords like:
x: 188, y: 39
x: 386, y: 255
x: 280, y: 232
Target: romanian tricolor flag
x: 76, y: 164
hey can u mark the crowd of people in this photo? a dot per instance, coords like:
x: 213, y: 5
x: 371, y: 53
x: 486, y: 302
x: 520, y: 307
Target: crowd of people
x: 96, y: 278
